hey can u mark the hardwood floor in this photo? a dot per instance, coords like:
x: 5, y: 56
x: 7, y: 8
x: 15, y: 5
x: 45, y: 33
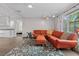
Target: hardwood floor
x: 6, y: 44
x: 69, y: 52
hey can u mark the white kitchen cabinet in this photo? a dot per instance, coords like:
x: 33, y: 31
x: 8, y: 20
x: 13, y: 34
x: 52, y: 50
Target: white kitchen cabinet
x: 7, y: 33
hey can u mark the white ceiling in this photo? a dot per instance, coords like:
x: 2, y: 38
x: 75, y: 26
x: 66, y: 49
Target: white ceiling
x: 38, y: 10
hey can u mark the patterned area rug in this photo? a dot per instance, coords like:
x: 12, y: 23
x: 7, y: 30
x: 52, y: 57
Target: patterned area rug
x: 28, y: 48
x: 77, y: 47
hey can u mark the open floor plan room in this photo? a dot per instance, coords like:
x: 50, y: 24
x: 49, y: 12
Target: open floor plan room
x: 39, y: 29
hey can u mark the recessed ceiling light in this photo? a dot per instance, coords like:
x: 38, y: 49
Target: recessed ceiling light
x: 53, y: 16
x: 30, y: 6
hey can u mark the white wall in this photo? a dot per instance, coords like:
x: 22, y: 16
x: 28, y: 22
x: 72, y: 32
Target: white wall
x: 4, y: 22
x: 36, y: 23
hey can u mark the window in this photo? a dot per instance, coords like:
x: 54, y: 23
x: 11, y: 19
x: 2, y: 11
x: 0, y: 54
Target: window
x: 74, y: 22
x: 71, y: 22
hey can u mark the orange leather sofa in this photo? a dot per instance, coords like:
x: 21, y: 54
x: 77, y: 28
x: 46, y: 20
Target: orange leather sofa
x: 57, y: 42
x: 39, y: 32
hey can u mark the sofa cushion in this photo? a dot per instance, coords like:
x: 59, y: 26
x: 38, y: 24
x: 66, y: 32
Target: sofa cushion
x: 57, y: 34
x: 44, y: 32
x: 36, y: 31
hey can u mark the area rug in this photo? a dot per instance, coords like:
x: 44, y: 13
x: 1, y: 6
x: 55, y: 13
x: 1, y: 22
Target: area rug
x: 30, y: 49
x: 76, y: 49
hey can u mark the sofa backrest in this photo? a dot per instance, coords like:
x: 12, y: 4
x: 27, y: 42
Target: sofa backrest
x: 57, y: 34
x: 40, y: 32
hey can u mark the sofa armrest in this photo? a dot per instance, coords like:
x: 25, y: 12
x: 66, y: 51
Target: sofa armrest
x: 66, y: 41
